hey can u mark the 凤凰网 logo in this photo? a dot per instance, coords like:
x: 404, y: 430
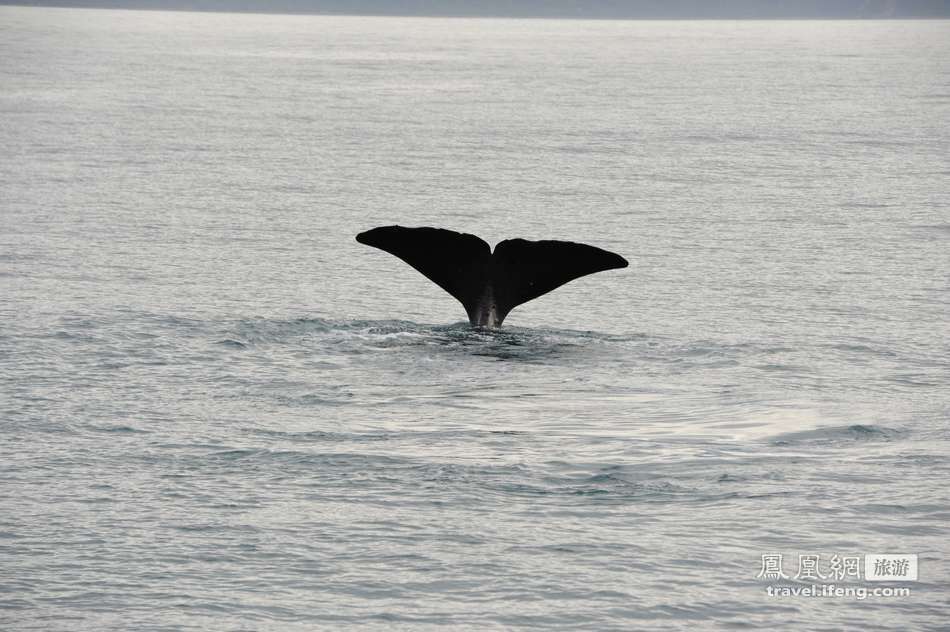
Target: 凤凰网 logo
x: 815, y: 575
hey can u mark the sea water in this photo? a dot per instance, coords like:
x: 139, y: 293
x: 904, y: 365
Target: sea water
x: 219, y: 411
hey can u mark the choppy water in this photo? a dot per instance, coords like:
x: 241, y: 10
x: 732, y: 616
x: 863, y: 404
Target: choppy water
x: 221, y: 412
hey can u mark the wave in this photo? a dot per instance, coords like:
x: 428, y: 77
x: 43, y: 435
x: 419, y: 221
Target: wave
x: 838, y: 435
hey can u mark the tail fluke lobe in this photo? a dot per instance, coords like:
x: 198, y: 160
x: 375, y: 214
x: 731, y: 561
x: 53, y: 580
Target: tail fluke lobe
x: 524, y: 270
x: 456, y: 262
x: 489, y: 285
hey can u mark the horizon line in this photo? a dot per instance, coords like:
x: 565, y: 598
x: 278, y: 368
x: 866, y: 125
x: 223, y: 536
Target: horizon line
x: 487, y: 16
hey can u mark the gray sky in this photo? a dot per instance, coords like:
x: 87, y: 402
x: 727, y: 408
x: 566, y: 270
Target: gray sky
x: 551, y: 8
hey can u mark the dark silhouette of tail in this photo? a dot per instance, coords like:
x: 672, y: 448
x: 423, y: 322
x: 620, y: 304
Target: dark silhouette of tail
x: 489, y: 285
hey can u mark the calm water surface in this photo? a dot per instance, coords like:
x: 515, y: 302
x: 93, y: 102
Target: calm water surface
x: 221, y: 412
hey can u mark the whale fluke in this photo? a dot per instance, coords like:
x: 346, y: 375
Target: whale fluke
x: 487, y: 284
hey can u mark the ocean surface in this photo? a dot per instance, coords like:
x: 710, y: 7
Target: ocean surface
x: 220, y: 412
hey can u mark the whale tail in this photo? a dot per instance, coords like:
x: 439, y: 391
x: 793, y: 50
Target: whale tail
x: 490, y: 284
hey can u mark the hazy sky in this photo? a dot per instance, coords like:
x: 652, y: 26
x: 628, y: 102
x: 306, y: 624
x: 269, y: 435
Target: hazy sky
x: 552, y: 8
